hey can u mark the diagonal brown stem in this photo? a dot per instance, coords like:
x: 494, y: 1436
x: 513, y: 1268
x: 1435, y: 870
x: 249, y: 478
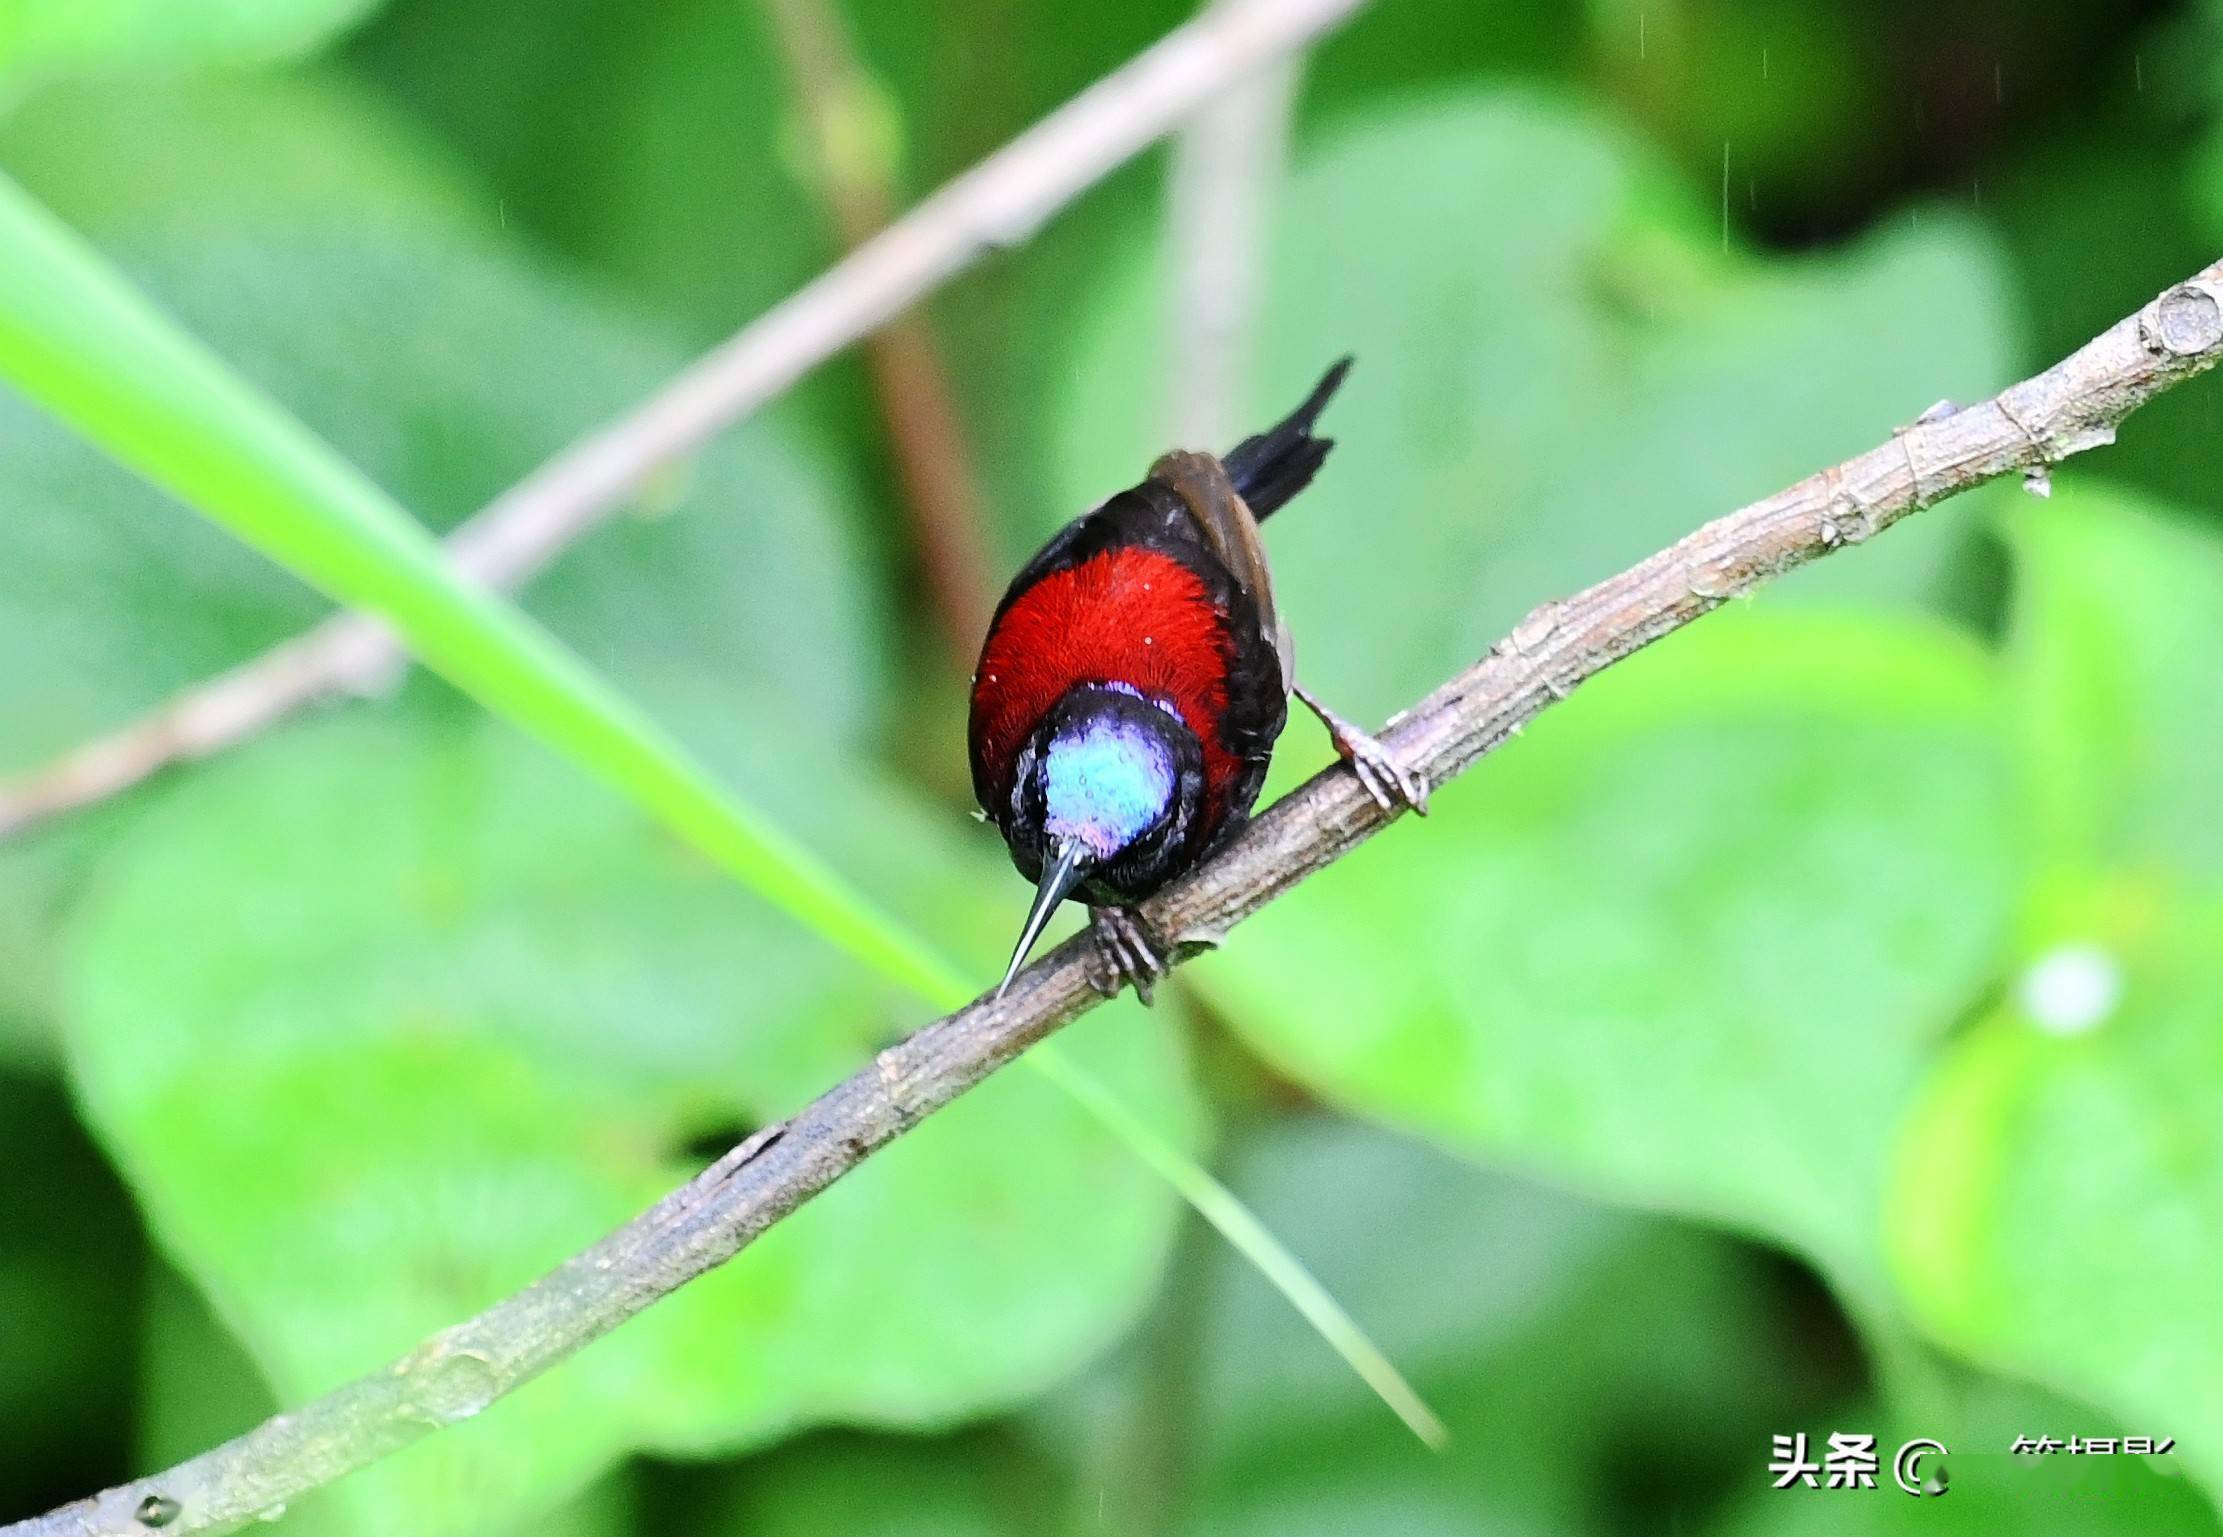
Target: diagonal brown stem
x: 2073, y: 406
x: 838, y: 103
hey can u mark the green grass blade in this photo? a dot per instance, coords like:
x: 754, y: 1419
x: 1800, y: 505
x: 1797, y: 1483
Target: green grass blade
x: 1249, y: 1237
x: 78, y: 339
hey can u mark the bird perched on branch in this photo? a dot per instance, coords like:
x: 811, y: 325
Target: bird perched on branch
x: 1134, y: 680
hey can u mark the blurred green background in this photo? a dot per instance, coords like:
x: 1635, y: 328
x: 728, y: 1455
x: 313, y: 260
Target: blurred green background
x: 1815, y: 1025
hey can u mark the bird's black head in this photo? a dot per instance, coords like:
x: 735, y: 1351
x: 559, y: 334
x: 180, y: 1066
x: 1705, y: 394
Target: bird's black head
x: 1107, y: 792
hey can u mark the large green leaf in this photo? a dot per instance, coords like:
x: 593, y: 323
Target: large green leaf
x: 452, y: 370
x: 458, y: 1013
x: 40, y: 38
x: 205, y: 153
x: 121, y: 600
x: 2117, y: 625
x: 1690, y: 941
x: 1558, y: 373
x: 445, y: 363
x: 2057, y: 1205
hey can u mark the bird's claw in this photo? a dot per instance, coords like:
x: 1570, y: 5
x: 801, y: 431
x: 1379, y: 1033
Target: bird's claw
x: 1388, y: 779
x: 1129, y: 951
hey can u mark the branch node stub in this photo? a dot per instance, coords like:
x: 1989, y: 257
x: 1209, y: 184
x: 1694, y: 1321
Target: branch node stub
x: 890, y: 1068
x: 1915, y: 493
x: 1534, y: 630
x: 2185, y: 321
x: 2041, y: 443
x: 1935, y: 411
x: 2038, y: 481
x: 449, y: 1382
x: 1526, y: 637
x: 1847, y: 519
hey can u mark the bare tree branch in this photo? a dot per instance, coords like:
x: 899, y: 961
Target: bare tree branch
x: 2072, y: 406
x: 996, y: 205
x: 1227, y: 168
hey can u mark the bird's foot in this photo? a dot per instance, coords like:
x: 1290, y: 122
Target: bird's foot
x: 1387, y: 778
x: 1130, y: 952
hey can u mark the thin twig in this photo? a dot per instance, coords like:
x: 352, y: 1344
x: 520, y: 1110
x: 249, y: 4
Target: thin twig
x: 850, y: 130
x: 2072, y: 406
x: 1227, y: 166
x: 996, y: 205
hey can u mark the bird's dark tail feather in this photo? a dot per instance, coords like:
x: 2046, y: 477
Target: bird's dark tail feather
x: 1271, y: 468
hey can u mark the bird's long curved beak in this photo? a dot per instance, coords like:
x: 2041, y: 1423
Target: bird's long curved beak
x: 1064, y: 871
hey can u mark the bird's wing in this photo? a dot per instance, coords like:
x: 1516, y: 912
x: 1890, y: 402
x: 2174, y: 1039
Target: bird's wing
x: 1231, y: 533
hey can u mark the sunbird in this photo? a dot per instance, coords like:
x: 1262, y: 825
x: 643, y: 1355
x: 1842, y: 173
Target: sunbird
x: 1133, y: 682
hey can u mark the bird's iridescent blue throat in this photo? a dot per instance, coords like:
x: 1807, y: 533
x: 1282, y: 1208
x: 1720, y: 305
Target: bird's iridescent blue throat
x: 1104, y: 784
x: 1104, y: 800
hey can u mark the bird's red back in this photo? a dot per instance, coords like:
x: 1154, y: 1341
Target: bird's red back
x: 1129, y: 614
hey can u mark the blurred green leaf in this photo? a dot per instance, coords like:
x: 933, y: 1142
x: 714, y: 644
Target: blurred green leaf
x: 80, y: 340
x: 1559, y: 372
x: 205, y: 154
x: 1690, y: 941
x: 462, y: 1014
x: 40, y: 38
x: 444, y: 363
x: 2116, y: 628
x: 2056, y: 1208
x: 450, y: 370
x: 125, y: 601
x: 2087, y: 1101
